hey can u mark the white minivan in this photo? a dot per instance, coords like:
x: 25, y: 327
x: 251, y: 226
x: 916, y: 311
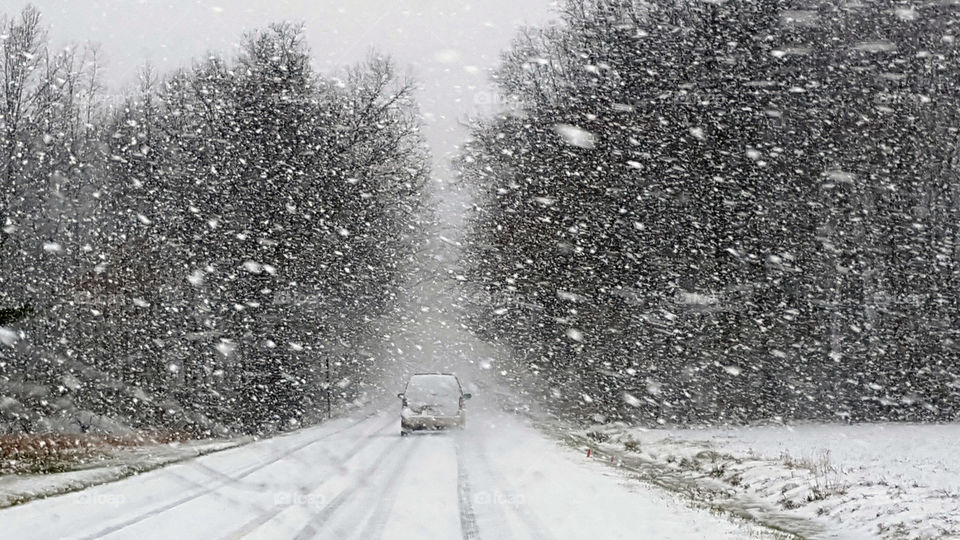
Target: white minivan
x: 432, y: 401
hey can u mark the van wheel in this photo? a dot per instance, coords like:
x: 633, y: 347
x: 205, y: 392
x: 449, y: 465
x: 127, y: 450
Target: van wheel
x: 403, y: 433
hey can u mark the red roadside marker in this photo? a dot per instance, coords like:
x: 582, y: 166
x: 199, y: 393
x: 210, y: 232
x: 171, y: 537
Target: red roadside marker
x: 588, y: 452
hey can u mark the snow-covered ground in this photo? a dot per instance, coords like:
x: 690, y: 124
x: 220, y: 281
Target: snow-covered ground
x: 108, y: 465
x: 830, y: 481
x: 355, y: 477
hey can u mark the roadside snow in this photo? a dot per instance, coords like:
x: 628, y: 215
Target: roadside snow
x: 821, y: 481
x: 115, y: 464
x: 358, y: 478
x: 904, y: 454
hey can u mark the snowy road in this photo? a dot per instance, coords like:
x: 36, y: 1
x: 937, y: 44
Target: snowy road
x: 357, y: 478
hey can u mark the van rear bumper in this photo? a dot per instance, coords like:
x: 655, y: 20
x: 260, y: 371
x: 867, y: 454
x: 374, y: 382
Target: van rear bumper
x: 418, y: 423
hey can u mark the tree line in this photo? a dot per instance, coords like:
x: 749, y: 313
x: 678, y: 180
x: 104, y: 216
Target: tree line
x: 725, y: 211
x: 195, y: 255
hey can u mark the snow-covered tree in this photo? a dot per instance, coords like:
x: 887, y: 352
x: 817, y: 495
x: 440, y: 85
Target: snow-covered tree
x: 226, y: 234
x: 725, y: 210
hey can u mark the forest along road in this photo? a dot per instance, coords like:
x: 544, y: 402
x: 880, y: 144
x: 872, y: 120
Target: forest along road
x: 356, y: 477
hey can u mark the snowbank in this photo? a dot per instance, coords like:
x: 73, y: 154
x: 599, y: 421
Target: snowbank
x: 109, y: 464
x: 819, y: 481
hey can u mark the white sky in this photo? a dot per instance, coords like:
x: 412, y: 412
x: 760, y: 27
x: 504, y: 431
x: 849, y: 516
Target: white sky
x: 449, y: 45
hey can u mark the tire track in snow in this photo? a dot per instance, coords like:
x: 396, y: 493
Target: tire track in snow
x: 385, y: 500
x: 251, y: 526
x: 310, y: 530
x: 491, y: 519
x: 233, y: 479
x: 534, y: 527
x: 468, y: 519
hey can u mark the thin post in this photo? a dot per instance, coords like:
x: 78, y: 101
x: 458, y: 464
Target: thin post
x: 329, y: 412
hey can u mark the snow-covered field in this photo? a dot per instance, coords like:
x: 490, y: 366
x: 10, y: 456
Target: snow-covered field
x: 828, y: 481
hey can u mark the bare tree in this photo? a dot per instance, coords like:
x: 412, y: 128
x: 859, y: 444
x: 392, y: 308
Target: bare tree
x: 21, y: 53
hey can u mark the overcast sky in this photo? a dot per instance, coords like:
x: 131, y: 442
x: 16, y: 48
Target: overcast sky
x: 449, y: 45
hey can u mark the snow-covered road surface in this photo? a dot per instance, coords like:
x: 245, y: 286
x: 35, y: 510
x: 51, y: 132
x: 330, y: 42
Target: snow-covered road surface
x: 356, y: 477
